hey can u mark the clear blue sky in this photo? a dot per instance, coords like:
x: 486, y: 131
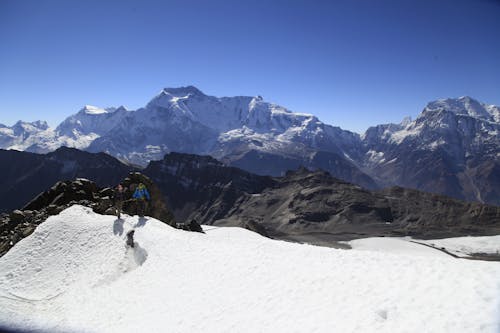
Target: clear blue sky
x: 353, y: 63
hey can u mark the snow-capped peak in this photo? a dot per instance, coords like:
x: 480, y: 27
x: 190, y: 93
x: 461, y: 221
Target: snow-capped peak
x: 464, y: 105
x: 182, y: 91
x: 406, y: 121
x: 30, y: 126
x: 92, y: 110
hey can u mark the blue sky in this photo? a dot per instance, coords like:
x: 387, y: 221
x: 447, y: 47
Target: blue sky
x: 353, y: 63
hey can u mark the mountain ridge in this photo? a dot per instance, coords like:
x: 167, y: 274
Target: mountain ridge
x: 451, y: 148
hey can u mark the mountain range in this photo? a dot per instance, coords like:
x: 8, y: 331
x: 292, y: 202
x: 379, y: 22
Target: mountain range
x: 451, y: 148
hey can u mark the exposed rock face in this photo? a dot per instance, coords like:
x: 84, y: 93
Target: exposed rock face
x: 192, y: 184
x: 21, y: 223
x: 435, y: 216
x: 24, y: 175
x: 312, y: 206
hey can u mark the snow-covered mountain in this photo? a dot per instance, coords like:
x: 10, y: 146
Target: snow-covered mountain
x: 76, y: 131
x: 17, y: 136
x: 186, y: 120
x: 90, y: 123
x: 75, y: 273
x: 453, y: 148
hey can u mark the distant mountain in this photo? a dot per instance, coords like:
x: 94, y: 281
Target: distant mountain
x: 237, y: 130
x: 452, y: 148
x: 22, y: 135
x: 90, y: 123
x: 77, y: 131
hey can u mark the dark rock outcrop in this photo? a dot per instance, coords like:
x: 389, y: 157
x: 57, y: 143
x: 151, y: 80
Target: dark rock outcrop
x: 156, y: 207
x: 24, y: 175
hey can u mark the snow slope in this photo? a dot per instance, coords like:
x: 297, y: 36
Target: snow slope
x: 460, y: 246
x: 465, y: 246
x: 74, y: 273
x: 394, y: 245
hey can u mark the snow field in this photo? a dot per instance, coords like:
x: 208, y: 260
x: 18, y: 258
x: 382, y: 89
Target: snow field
x: 75, y: 273
x: 464, y: 246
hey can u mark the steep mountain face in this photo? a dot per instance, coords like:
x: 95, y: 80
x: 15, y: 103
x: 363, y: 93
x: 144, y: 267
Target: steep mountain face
x: 24, y: 174
x: 452, y: 148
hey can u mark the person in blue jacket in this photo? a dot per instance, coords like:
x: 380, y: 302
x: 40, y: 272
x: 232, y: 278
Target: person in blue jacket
x: 141, y: 195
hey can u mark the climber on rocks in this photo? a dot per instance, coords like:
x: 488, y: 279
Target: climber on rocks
x: 141, y: 195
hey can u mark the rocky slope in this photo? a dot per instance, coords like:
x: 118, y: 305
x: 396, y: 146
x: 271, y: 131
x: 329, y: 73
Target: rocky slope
x: 315, y: 207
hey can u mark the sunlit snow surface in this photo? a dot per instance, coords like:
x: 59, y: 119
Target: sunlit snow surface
x: 75, y: 274
x: 464, y: 246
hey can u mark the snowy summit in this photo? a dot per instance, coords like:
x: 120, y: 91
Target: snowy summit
x: 75, y: 273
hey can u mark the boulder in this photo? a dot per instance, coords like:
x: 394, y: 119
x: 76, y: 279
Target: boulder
x: 28, y: 230
x: 106, y: 192
x: 191, y: 226
x: 195, y: 226
x: 17, y: 216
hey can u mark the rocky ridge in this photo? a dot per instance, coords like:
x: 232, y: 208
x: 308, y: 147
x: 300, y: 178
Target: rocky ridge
x: 22, y: 222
